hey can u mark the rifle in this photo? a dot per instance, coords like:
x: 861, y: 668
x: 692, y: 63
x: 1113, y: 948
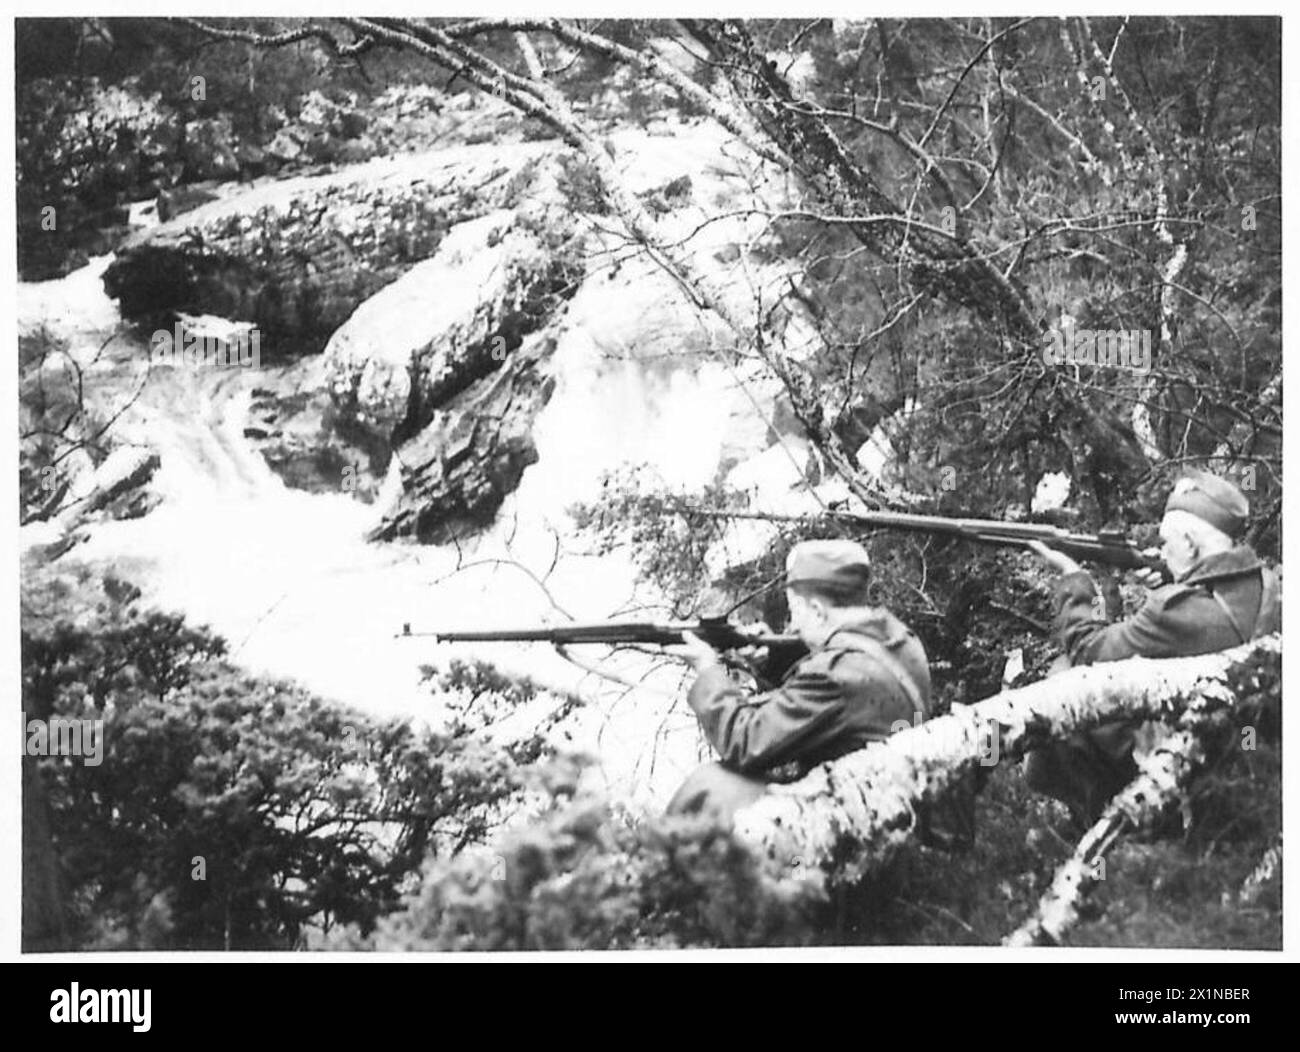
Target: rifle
x: 782, y: 650
x: 718, y: 632
x: 1108, y: 547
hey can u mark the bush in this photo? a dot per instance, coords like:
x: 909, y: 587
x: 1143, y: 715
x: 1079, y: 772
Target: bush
x: 586, y: 875
x: 234, y: 811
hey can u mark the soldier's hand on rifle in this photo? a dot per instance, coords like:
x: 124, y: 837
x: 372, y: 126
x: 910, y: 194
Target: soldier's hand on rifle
x: 695, y: 652
x: 753, y: 657
x: 1148, y: 577
x: 1058, y: 561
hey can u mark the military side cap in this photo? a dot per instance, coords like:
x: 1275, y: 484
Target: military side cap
x: 1212, y: 499
x: 828, y: 562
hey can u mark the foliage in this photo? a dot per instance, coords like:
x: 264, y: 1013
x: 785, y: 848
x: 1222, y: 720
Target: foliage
x: 579, y: 185
x: 479, y: 697
x: 582, y: 874
x: 1174, y: 887
x: 233, y: 811
x: 585, y: 875
x: 123, y: 122
x: 667, y: 539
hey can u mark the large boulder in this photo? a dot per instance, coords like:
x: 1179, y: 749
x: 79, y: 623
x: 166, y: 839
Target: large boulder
x: 297, y: 256
x: 450, y: 321
x: 432, y: 367
x: 300, y: 434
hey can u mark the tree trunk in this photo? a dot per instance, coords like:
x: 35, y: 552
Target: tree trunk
x: 848, y: 815
x: 1159, y: 784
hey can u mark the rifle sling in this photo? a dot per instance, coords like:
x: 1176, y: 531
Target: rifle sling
x: 1227, y: 612
x: 896, y: 669
x: 1267, y: 594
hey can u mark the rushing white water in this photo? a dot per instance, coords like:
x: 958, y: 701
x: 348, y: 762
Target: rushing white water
x: 288, y: 579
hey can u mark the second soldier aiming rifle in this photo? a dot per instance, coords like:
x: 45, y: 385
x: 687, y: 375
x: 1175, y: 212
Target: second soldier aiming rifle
x: 1108, y: 547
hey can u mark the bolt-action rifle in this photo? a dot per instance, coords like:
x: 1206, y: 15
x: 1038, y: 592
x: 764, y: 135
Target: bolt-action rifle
x: 782, y: 650
x: 718, y: 632
x: 1109, y: 547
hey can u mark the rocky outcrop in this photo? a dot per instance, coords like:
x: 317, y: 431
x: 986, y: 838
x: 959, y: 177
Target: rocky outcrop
x: 433, y: 367
x: 450, y: 321
x: 122, y: 473
x: 457, y: 471
x: 305, y: 440
x: 116, y: 489
x: 296, y: 257
x: 443, y: 365
x: 440, y: 279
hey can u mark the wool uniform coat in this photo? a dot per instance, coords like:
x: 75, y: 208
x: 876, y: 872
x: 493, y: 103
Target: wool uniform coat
x: 1224, y: 600
x: 866, y: 681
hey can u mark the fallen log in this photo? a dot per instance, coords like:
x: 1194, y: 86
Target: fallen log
x: 1161, y: 782
x: 847, y: 816
x: 1162, y: 777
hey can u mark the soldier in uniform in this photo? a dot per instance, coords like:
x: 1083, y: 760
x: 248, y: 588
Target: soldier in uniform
x: 865, y: 675
x: 1222, y: 595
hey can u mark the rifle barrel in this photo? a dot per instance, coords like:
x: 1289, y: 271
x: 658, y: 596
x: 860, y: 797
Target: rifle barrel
x: 897, y: 520
x: 974, y: 528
